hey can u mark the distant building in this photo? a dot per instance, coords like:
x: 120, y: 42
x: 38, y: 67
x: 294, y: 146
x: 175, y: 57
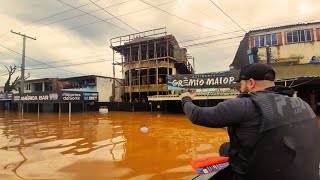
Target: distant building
x: 93, y: 83
x: 81, y: 93
x: 147, y: 58
x: 289, y: 50
x: 295, y: 43
x: 90, y: 83
x: 289, y: 45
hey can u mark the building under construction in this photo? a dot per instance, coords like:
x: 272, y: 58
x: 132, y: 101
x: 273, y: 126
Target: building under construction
x: 146, y: 60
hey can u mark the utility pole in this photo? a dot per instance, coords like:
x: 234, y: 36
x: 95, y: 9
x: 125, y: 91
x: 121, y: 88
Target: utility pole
x: 23, y: 58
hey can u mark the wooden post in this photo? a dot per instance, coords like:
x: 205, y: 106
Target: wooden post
x: 38, y: 111
x: 5, y: 109
x: 59, y: 110
x: 69, y: 111
x: 22, y: 108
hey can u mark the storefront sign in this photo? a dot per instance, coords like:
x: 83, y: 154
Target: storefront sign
x: 90, y: 96
x: 225, y: 79
x: 36, y: 97
x: 5, y: 96
x: 64, y: 96
x: 70, y: 96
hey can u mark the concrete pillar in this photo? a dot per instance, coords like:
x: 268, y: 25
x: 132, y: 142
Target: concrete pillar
x: 70, y: 111
x: 59, y: 110
x: 38, y: 110
x: 22, y: 109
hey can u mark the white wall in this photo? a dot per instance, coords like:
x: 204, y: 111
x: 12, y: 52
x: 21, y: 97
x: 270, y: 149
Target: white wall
x: 119, y: 90
x: 104, y: 88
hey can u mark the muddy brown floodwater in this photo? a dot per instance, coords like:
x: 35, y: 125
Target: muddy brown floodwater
x: 103, y: 146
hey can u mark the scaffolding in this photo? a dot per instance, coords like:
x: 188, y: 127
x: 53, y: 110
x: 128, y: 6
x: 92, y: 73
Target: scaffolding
x: 146, y: 60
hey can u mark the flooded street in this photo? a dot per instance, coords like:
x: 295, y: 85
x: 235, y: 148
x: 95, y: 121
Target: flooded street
x: 103, y: 146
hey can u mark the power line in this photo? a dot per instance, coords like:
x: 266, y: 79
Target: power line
x: 212, y: 19
x: 111, y: 18
x: 62, y: 61
x: 47, y: 17
x: 92, y: 15
x: 216, y: 49
x: 97, y: 57
x: 70, y: 64
x: 210, y: 42
x: 99, y: 61
x: 196, y: 24
x: 71, y: 59
x: 113, y: 15
x: 40, y: 61
x: 208, y: 45
x: 56, y: 64
x: 257, y: 27
x: 205, y: 37
x: 143, y: 10
x: 4, y: 74
x: 72, y: 17
x: 228, y: 16
x: 8, y: 73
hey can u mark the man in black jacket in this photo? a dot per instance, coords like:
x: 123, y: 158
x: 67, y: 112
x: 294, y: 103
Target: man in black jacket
x: 273, y: 135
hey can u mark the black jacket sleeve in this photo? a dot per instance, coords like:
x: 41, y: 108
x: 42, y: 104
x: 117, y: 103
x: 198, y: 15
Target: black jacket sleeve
x: 230, y: 112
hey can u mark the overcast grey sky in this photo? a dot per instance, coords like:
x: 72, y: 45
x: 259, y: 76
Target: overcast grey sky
x: 70, y: 36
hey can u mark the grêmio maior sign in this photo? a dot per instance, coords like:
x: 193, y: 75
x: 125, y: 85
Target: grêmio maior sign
x: 63, y: 96
x: 223, y: 79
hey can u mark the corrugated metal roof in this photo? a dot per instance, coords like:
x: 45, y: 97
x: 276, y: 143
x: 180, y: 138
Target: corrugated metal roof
x: 299, y: 78
x: 69, y: 78
x: 285, y: 26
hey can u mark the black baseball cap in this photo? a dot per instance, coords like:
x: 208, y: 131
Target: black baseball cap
x: 257, y: 71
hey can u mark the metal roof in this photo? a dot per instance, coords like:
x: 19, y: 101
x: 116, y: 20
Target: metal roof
x: 299, y: 78
x: 284, y: 26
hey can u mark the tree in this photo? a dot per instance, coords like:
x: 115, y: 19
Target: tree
x: 9, y: 86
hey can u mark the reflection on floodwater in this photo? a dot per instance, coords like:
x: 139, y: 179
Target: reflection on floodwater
x: 103, y: 146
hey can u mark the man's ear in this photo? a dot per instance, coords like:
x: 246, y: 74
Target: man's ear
x: 252, y: 83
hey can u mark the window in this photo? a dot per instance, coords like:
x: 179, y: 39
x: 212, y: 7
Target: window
x: 302, y: 36
x: 295, y: 36
x: 256, y: 41
x: 266, y: 40
x: 299, y: 36
x: 274, y: 39
x: 308, y: 34
x: 28, y: 88
x: 262, y: 42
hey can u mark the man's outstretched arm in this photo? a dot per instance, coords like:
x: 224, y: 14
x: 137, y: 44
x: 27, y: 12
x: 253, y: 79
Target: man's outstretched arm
x: 226, y: 113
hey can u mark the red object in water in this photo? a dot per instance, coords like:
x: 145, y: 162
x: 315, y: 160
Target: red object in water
x: 200, y: 164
